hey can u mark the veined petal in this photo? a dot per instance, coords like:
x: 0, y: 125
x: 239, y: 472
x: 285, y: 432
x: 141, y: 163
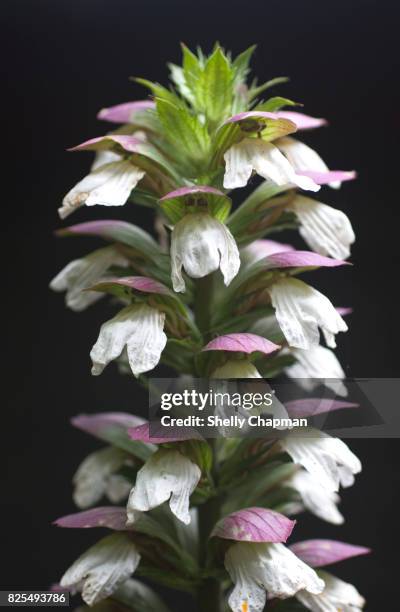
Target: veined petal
x: 140, y: 329
x: 82, y: 273
x: 92, y: 477
x: 125, y: 112
x: 254, y: 525
x: 333, y: 178
x: 167, y: 475
x: 318, y: 553
x: 301, y: 156
x: 303, y: 122
x: 201, y: 244
x: 246, y: 343
x: 264, y: 248
x: 266, y: 159
x: 175, y: 434
x: 317, y: 500
x: 301, y: 310
x: 311, y: 406
x: 103, y: 568
x: 109, y: 185
x: 337, y: 595
x: 236, y: 368
x: 315, y: 364
x: 326, y: 230
x: 256, y: 568
x: 322, y: 456
x: 111, y: 517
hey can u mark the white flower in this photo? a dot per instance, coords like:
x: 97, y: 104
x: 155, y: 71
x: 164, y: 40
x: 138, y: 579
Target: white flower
x: 315, y: 365
x: 302, y: 157
x: 138, y: 327
x: 83, y: 273
x: 318, y: 501
x: 95, y: 477
x: 254, y: 154
x: 201, y: 244
x: 337, y: 595
x: 300, y: 310
x: 326, y: 230
x: 104, y: 157
x: 103, y: 568
x: 108, y: 185
x: 167, y: 475
x: 256, y: 568
x: 236, y: 368
x: 329, y: 460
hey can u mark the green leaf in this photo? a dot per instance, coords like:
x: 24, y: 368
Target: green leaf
x: 257, y: 90
x: 274, y: 104
x: 119, y: 231
x: 139, y: 597
x: 159, y: 91
x: 192, y: 68
x: 240, y: 218
x: 241, y: 64
x: 256, y: 483
x: 184, y: 130
x: 168, y: 578
x: 118, y: 436
x: 214, y: 87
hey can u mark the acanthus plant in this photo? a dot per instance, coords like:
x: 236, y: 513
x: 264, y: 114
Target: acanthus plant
x: 212, y: 298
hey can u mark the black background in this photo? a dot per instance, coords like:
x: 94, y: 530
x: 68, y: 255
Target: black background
x: 65, y: 60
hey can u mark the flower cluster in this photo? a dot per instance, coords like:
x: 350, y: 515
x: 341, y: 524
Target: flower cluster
x: 214, y: 297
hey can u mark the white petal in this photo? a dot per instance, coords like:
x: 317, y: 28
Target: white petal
x: 104, y: 157
x: 109, y: 185
x: 318, y: 501
x: 300, y: 310
x: 140, y: 329
x: 321, y: 455
x: 83, y: 273
x: 201, y: 244
x: 167, y: 475
x: 92, y: 477
x: 302, y: 157
x: 266, y: 159
x: 337, y: 595
x: 103, y: 568
x: 236, y: 368
x: 118, y: 488
x: 326, y: 230
x: 271, y: 566
x: 316, y: 364
x: 238, y: 166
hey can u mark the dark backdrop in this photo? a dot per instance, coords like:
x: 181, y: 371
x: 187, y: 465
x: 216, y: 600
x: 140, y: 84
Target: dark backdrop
x: 63, y: 61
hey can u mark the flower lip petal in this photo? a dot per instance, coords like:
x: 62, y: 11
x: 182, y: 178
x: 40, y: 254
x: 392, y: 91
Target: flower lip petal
x: 138, y: 283
x: 318, y: 553
x: 127, y: 142
x: 112, y: 517
x: 332, y: 176
x: 309, y: 407
x: 254, y: 525
x: 243, y: 343
x: 175, y: 434
x: 297, y: 259
x: 303, y: 122
x: 96, y: 424
x: 122, y: 113
x: 187, y: 191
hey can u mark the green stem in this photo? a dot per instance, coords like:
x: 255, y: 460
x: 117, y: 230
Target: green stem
x: 203, y: 304
x: 209, y: 594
